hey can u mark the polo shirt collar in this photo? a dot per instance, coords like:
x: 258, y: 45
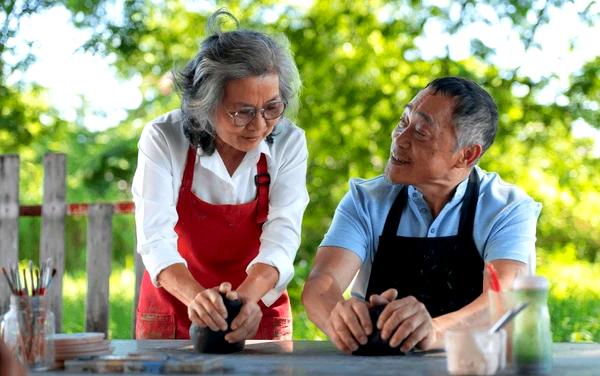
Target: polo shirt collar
x: 416, y: 195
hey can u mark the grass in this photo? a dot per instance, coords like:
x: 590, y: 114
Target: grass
x: 574, y: 301
x: 122, y: 283
x: 574, y: 297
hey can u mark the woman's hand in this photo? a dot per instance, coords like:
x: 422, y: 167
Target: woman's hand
x: 207, y: 307
x: 245, y: 325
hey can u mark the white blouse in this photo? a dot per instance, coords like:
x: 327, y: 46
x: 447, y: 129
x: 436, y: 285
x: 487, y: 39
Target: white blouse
x: 161, y: 159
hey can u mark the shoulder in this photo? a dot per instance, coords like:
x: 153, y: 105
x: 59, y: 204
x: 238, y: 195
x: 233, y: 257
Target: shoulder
x: 289, y: 143
x: 495, y: 192
x: 287, y: 134
x: 287, y: 128
x: 167, y: 126
x: 373, y: 192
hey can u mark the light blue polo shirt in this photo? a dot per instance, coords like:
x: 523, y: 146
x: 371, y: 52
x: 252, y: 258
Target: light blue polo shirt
x: 504, y: 227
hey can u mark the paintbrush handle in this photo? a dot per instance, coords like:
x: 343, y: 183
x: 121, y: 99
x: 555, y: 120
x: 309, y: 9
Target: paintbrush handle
x: 505, y: 319
x: 10, y: 285
x: 494, y: 280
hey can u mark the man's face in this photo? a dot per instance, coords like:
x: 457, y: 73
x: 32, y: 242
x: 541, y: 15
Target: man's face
x: 423, y: 150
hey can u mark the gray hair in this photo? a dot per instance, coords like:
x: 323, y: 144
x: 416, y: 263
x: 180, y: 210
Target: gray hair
x: 475, y: 114
x: 226, y: 56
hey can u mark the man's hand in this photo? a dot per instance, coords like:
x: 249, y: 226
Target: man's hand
x: 383, y: 298
x: 349, y: 324
x: 406, y: 320
x: 246, y: 323
x: 208, y: 309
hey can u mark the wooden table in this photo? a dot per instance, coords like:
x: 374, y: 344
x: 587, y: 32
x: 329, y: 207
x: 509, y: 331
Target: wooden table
x: 321, y: 358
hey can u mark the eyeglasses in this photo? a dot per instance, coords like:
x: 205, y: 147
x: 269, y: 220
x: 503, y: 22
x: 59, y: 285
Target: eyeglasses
x: 244, y: 116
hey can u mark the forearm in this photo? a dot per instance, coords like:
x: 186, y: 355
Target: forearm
x: 179, y: 282
x: 260, y: 280
x: 319, y: 297
x: 476, y: 312
x: 473, y: 314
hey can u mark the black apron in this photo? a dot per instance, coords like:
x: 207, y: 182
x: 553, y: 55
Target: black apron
x: 443, y: 273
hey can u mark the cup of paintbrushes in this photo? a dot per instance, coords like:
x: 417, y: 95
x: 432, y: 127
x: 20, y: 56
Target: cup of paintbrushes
x: 35, y: 331
x: 28, y: 327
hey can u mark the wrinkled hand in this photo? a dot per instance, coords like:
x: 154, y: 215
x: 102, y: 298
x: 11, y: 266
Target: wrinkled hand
x: 406, y: 320
x: 208, y: 309
x: 349, y: 324
x: 245, y: 325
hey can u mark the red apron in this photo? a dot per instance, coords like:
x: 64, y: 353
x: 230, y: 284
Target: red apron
x: 218, y: 242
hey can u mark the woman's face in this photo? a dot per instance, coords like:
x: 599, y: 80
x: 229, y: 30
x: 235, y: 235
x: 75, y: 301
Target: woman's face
x: 244, y: 96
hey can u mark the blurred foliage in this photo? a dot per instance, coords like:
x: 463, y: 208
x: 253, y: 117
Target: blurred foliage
x: 574, y: 301
x: 360, y: 65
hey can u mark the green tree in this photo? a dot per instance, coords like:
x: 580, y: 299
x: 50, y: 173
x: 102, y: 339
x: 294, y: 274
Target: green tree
x: 360, y: 65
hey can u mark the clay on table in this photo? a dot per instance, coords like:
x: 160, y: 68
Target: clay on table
x: 207, y: 341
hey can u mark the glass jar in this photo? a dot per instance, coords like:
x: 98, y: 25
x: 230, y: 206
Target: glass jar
x: 9, y: 328
x: 28, y: 330
x: 532, y: 338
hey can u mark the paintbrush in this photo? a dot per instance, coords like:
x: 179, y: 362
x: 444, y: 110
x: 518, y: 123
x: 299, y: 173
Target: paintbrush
x: 37, y: 281
x: 8, y: 280
x: 50, y: 279
x: 31, y: 277
x: 494, y: 280
x: 509, y: 315
x: 25, y: 281
x: 15, y: 276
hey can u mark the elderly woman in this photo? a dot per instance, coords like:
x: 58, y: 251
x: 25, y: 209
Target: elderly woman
x: 220, y: 192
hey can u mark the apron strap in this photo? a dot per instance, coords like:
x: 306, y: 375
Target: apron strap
x: 392, y: 221
x: 467, y: 213
x: 188, y: 172
x: 262, y: 180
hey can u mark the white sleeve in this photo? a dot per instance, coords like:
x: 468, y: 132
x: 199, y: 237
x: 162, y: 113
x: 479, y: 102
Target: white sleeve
x: 288, y: 198
x: 155, y: 204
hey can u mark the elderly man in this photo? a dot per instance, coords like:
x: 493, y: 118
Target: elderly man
x: 419, y: 235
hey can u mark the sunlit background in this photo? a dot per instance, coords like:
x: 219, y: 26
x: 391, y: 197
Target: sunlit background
x: 76, y: 78
x: 83, y: 78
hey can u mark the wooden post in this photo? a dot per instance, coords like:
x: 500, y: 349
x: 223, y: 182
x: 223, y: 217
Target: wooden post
x: 139, y: 273
x: 99, y: 257
x: 52, y: 242
x: 9, y: 220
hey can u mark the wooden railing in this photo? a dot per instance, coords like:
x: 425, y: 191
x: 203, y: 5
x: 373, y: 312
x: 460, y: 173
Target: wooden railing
x: 53, y: 212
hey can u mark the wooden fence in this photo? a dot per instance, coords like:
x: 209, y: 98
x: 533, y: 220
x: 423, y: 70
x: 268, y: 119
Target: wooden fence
x: 53, y: 211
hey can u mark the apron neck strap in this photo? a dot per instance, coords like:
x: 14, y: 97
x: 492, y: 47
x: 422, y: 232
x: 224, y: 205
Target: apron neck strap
x: 467, y: 211
x: 392, y: 221
x: 188, y: 172
x: 469, y: 204
x: 262, y: 179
